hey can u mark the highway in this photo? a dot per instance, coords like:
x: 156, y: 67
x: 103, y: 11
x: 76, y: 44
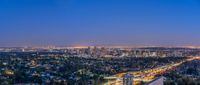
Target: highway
x: 148, y: 74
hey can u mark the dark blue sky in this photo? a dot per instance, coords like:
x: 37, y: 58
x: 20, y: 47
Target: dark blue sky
x: 99, y: 22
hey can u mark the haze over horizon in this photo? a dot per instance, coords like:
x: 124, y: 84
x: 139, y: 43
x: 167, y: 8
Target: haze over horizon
x: 99, y: 22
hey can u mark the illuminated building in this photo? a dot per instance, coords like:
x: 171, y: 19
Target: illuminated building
x: 128, y: 79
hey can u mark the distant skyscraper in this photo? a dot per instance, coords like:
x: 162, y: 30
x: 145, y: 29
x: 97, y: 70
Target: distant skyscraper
x: 128, y: 79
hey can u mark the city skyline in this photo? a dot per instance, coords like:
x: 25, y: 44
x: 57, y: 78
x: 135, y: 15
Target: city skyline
x: 99, y: 23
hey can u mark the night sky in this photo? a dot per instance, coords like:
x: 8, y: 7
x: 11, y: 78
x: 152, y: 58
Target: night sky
x: 99, y: 22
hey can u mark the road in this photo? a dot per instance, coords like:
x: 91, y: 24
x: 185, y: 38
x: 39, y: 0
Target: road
x: 149, y: 74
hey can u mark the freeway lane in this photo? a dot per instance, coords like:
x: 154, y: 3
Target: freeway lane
x: 150, y: 74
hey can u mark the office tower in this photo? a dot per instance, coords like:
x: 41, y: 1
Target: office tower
x: 128, y: 79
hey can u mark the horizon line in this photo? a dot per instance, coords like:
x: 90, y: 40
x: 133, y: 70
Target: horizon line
x: 107, y: 46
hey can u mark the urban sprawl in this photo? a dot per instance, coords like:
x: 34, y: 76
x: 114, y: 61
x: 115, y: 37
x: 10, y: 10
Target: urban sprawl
x: 99, y: 65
